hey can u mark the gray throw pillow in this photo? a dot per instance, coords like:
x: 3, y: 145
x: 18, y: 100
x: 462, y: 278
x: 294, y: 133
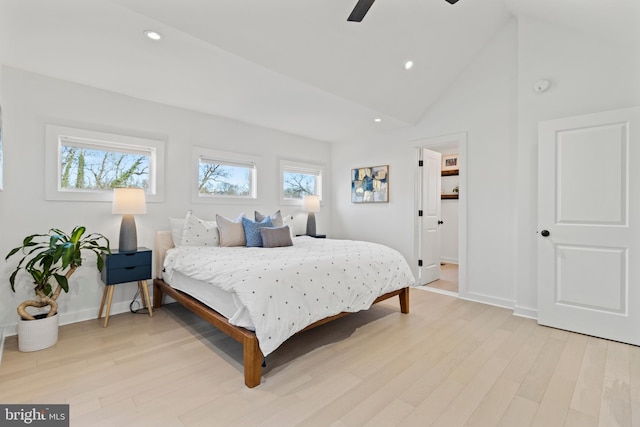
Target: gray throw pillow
x: 276, y: 237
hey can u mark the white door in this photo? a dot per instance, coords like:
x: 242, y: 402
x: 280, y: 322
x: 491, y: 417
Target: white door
x: 430, y: 223
x: 588, y: 224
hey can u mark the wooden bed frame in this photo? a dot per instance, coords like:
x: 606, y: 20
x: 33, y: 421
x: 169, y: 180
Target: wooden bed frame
x: 251, y: 351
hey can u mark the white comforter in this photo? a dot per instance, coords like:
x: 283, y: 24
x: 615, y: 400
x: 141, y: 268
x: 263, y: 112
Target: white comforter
x: 287, y: 289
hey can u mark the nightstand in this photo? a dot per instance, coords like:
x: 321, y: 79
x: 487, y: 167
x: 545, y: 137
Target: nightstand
x: 125, y: 267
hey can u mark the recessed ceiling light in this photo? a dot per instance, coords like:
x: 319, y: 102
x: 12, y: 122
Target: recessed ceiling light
x: 377, y: 120
x: 408, y: 65
x: 153, y: 35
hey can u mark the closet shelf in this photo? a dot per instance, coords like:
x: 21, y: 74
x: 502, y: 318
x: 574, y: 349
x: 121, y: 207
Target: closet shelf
x: 450, y: 173
x: 449, y: 196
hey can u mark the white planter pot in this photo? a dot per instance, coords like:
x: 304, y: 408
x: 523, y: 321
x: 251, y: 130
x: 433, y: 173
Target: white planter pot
x: 34, y: 335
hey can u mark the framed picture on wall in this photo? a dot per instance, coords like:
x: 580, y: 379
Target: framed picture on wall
x: 370, y: 184
x: 450, y: 162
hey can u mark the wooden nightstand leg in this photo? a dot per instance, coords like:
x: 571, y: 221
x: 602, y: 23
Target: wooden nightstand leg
x: 144, y: 292
x: 110, y: 297
x: 104, y: 298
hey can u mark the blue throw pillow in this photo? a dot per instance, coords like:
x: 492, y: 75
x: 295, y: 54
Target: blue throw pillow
x: 252, y: 231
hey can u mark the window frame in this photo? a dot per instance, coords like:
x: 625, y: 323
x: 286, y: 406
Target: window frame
x: 306, y: 168
x: 57, y: 135
x: 223, y: 158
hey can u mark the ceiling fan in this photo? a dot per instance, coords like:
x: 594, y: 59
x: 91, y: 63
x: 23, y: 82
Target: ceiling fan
x: 362, y: 7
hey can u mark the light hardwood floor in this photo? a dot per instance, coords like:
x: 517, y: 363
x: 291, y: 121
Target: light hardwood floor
x: 448, y: 363
x: 448, y: 278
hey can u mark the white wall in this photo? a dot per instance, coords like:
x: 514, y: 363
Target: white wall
x: 587, y: 75
x: 493, y: 101
x: 31, y: 101
x: 449, y: 231
x: 481, y: 102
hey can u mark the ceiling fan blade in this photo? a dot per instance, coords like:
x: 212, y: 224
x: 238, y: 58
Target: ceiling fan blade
x: 452, y: 1
x: 361, y: 9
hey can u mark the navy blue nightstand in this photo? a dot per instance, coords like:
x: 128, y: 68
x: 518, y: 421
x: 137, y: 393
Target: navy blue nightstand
x: 125, y: 267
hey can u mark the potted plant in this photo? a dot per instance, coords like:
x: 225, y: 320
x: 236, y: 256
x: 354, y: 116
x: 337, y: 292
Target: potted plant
x: 50, y: 259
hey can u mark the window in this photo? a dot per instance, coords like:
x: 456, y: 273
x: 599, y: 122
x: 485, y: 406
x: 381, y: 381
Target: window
x: 298, y: 179
x: 87, y: 165
x: 224, y: 175
x: 222, y: 178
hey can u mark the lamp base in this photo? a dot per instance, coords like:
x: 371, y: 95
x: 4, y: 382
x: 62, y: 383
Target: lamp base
x: 311, y: 224
x: 128, y: 235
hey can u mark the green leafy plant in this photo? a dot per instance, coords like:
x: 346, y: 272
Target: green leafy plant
x: 51, y: 259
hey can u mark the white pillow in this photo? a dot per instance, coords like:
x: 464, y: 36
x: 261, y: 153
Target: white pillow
x: 276, y: 218
x: 231, y: 232
x: 288, y: 220
x: 197, y: 232
x: 177, y: 227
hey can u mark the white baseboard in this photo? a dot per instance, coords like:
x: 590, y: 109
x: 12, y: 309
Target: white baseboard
x: 92, y: 313
x: 529, y: 313
x: 486, y: 299
x: 75, y: 317
x: 520, y: 311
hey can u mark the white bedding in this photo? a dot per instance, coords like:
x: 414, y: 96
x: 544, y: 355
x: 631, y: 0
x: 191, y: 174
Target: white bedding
x: 286, y: 289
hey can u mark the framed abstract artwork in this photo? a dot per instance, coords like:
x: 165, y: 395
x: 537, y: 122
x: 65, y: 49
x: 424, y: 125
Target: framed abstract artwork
x: 370, y: 184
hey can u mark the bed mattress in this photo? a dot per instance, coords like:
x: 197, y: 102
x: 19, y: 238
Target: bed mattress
x: 224, y: 302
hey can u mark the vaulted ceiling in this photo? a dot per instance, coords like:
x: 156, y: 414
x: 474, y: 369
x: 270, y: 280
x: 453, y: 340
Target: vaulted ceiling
x: 296, y: 66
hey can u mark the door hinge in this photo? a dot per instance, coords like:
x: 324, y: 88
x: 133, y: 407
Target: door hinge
x: 420, y: 163
x: 419, y: 263
x: 420, y: 212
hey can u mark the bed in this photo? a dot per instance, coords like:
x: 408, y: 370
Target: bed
x: 260, y: 297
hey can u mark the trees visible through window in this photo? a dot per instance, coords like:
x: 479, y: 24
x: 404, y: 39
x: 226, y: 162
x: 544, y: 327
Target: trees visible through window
x: 226, y: 175
x: 85, y: 165
x: 215, y: 178
x: 298, y: 184
x: 85, y: 168
x: 299, y: 179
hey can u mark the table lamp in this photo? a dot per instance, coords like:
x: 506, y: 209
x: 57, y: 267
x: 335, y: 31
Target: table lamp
x: 311, y: 204
x: 128, y: 202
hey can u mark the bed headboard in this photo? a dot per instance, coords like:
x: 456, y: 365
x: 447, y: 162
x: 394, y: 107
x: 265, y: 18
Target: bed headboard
x: 163, y: 243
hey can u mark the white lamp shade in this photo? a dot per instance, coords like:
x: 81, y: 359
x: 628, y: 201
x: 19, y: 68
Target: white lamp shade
x: 311, y: 203
x: 129, y: 201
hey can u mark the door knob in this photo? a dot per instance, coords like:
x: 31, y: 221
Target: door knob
x: 545, y: 233
x: 440, y: 222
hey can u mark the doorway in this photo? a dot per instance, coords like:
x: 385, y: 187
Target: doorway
x: 451, y: 239
x: 448, y: 280
x: 588, y: 242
